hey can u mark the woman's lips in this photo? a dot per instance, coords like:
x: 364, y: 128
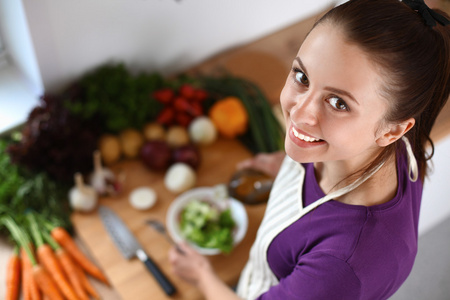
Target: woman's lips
x: 301, y: 139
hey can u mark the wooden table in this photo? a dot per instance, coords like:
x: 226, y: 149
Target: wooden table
x: 130, y: 278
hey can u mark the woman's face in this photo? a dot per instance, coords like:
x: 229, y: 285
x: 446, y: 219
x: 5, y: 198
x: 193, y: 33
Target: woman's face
x: 331, y: 101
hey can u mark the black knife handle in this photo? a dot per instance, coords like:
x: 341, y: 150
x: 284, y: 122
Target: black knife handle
x: 166, y: 285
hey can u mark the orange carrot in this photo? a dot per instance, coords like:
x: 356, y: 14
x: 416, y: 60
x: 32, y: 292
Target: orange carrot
x: 66, y: 241
x: 48, y: 259
x: 86, y: 283
x: 30, y: 289
x: 22, y: 238
x: 69, y: 269
x: 46, y: 283
x: 13, y: 276
x: 26, y: 271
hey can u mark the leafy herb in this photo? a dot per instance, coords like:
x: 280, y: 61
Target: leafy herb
x: 115, y: 98
x: 21, y: 191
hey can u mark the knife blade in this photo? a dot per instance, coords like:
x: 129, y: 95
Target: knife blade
x: 129, y: 247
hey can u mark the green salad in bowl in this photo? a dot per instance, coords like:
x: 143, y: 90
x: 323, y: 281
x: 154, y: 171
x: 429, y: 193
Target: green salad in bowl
x: 205, y: 225
x: 210, y: 226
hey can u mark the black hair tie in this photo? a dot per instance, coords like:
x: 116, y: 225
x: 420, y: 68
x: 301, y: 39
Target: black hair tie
x: 430, y: 16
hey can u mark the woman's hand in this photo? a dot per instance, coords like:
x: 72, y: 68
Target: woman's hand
x: 196, y: 269
x: 268, y: 163
x: 189, y: 265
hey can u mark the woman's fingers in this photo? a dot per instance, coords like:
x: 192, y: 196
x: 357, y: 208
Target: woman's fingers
x: 245, y: 164
x: 268, y: 163
x: 189, y: 265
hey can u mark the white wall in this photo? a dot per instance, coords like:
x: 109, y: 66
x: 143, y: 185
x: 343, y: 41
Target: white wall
x: 71, y: 37
x: 18, y: 44
x: 20, y: 79
x: 436, y: 193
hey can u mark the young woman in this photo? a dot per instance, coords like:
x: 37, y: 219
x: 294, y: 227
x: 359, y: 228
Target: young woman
x: 359, y: 103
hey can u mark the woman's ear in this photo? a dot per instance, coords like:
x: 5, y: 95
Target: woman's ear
x: 393, y: 132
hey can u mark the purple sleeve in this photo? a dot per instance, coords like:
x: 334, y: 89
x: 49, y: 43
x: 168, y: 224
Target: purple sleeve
x: 317, y: 276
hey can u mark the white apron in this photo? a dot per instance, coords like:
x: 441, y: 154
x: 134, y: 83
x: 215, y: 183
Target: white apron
x: 284, y: 207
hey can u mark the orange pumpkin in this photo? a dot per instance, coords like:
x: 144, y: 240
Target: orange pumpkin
x: 229, y: 116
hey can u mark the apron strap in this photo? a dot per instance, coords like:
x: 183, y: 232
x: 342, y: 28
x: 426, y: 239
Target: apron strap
x: 341, y: 191
x: 413, y: 169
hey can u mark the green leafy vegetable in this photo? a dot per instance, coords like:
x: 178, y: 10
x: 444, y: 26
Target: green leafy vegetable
x: 22, y: 191
x: 55, y: 141
x: 207, y: 226
x: 115, y: 98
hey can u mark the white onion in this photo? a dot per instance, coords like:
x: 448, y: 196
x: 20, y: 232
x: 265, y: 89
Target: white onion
x: 142, y: 198
x: 180, y: 177
x: 202, y: 131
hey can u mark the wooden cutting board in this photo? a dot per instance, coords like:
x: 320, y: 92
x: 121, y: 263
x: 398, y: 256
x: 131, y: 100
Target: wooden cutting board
x: 130, y: 278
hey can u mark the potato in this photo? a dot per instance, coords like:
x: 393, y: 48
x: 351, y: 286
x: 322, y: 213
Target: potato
x: 109, y: 146
x: 154, y: 131
x: 131, y: 141
x: 177, y: 136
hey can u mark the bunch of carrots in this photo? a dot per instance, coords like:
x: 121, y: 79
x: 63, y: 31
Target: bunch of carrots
x: 47, y: 263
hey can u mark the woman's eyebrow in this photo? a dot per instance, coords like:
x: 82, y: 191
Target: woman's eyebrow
x: 331, y: 89
x: 302, y: 66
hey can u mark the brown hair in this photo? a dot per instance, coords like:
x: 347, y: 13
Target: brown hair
x: 414, y: 58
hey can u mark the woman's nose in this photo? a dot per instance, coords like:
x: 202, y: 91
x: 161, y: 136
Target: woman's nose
x: 305, y: 111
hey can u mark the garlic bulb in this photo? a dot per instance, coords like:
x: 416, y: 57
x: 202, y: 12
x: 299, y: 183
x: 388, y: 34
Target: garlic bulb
x: 82, y: 197
x: 102, y: 179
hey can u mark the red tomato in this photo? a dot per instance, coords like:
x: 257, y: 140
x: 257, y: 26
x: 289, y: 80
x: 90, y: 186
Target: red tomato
x: 186, y: 91
x: 181, y: 104
x: 166, y: 116
x: 200, y: 95
x: 164, y: 96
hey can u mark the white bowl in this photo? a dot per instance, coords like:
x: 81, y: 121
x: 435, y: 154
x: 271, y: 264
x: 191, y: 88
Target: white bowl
x: 238, y: 213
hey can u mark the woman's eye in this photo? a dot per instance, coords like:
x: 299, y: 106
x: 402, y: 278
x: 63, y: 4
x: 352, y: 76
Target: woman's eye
x: 301, y: 77
x: 338, y: 104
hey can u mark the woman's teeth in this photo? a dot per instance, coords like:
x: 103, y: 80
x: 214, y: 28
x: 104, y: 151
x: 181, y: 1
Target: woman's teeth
x: 304, y: 137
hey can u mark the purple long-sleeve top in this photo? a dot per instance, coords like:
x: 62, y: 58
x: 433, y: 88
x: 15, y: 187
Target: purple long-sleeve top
x: 342, y: 251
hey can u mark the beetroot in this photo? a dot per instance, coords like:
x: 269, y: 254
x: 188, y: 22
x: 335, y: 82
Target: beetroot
x: 156, y: 155
x: 188, y: 154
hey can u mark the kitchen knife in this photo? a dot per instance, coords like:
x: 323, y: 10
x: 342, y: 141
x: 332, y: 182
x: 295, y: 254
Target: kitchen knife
x: 130, y: 247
